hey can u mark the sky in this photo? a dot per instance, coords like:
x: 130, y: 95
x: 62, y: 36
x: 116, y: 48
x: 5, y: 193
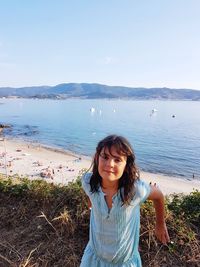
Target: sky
x: 135, y: 43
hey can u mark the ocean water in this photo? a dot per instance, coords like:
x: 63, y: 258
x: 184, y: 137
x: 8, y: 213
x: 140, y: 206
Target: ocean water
x: 165, y: 141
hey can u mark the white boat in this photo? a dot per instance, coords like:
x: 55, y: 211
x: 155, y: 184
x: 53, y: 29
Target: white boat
x: 92, y: 109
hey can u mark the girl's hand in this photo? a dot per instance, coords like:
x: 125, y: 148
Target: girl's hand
x: 162, y: 233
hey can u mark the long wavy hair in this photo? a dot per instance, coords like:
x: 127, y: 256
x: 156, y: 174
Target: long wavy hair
x: 130, y: 174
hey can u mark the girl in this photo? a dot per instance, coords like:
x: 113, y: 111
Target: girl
x: 116, y: 193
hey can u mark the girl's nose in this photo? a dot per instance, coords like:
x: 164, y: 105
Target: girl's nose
x: 110, y: 162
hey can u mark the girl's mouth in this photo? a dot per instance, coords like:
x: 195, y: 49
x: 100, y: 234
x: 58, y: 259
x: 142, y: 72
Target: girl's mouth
x: 108, y: 171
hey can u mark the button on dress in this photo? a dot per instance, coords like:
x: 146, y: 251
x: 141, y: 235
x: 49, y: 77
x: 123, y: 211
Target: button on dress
x: 114, y: 233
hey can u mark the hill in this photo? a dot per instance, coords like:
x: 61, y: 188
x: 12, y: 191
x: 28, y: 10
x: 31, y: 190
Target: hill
x: 47, y: 225
x: 96, y: 91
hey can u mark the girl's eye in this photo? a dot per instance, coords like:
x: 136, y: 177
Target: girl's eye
x: 104, y: 156
x: 117, y: 160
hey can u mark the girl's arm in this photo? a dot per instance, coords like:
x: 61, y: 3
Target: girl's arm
x: 158, y: 201
x: 89, y: 203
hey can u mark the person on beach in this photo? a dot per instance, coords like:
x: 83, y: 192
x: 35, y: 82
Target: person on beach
x: 115, y: 194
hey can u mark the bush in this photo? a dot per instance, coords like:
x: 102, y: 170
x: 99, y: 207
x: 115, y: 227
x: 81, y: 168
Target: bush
x: 43, y: 224
x: 187, y: 206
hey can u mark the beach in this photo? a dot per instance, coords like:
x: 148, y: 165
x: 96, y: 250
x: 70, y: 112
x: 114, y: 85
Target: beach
x: 36, y: 161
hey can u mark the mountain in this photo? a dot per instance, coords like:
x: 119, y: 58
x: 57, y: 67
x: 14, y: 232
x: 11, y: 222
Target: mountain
x: 93, y: 91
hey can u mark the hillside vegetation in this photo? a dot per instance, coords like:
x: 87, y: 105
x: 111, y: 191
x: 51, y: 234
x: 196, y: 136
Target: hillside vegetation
x: 45, y: 225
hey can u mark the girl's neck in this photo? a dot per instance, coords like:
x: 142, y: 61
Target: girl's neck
x: 110, y: 187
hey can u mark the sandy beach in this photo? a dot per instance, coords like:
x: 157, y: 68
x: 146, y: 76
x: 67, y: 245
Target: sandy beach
x: 58, y: 166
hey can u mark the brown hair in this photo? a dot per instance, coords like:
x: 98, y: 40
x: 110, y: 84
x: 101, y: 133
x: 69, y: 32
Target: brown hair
x: 131, y: 173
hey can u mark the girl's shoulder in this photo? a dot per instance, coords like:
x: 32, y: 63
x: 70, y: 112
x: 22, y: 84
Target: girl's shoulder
x: 142, y: 190
x: 86, y: 177
x: 86, y: 182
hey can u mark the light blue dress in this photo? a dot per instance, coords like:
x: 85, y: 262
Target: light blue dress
x: 114, y: 233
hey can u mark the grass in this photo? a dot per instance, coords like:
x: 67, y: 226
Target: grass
x: 47, y: 225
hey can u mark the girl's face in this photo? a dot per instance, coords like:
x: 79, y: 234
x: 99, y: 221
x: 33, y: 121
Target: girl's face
x: 111, y: 165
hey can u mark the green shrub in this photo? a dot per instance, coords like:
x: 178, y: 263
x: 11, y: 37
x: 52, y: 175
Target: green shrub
x: 187, y: 206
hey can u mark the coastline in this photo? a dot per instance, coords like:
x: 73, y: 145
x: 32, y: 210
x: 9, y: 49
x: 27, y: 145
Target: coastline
x: 59, y: 166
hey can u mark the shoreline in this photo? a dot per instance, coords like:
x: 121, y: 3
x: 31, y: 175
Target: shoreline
x: 37, y: 161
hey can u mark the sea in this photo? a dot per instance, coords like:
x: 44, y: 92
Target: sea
x: 165, y: 135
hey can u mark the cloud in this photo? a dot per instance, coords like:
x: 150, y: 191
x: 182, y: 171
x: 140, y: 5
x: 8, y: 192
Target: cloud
x: 107, y: 61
